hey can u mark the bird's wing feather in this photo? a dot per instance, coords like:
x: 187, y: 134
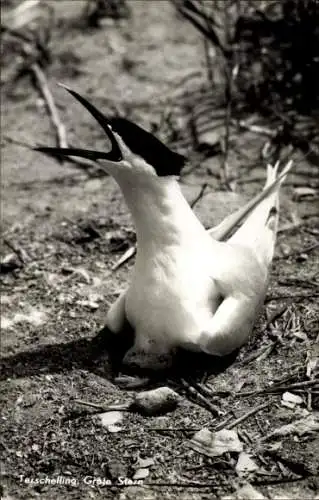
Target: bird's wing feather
x: 230, y: 326
x: 259, y: 230
x: 223, y: 230
x: 116, y: 317
x: 116, y: 337
x: 243, y: 278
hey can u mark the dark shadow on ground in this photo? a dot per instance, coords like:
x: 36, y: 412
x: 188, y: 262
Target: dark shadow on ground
x: 90, y: 355
x: 52, y: 358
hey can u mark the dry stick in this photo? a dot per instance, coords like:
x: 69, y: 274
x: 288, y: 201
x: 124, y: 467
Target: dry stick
x: 275, y: 315
x: 294, y: 296
x: 130, y: 252
x: 200, y: 398
x: 263, y: 351
x: 210, y: 76
x: 311, y: 364
x: 298, y: 252
x: 60, y: 128
x: 230, y: 74
x: 21, y: 254
x: 296, y: 282
x: 200, y: 195
x: 208, y: 65
x: 124, y: 407
x: 281, y: 388
x: 256, y: 129
x: 225, y: 141
x: 46, y: 93
x: 241, y: 419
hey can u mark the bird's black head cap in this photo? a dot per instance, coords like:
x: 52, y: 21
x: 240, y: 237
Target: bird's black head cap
x: 140, y: 142
x: 147, y: 146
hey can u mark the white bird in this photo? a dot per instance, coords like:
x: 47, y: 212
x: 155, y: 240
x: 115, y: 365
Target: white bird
x: 189, y: 288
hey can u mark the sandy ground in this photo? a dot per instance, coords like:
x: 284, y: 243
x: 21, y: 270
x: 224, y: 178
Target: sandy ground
x: 71, y: 226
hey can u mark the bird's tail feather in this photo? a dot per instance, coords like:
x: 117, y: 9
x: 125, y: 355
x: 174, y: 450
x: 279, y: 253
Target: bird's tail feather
x: 226, y: 227
x: 260, y: 228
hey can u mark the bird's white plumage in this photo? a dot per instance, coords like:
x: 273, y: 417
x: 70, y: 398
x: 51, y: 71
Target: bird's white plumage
x: 188, y: 289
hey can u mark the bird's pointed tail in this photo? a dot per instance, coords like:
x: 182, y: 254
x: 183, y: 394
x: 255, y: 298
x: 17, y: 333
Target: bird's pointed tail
x: 260, y: 228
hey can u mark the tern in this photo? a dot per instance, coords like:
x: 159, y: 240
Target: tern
x: 191, y: 288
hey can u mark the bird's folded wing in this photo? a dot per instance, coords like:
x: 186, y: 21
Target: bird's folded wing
x: 116, y: 317
x: 230, y: 326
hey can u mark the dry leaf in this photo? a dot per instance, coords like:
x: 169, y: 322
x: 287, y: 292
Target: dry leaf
x: 245, y: 464
x: 290, y: 400
x: 217, y: 443
x: 110, y: 419
x: 300, y: 427
x: 143, y: 463
x: 141, y: 474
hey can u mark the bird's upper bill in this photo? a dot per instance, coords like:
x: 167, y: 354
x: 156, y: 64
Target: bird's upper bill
x: 138, y: 142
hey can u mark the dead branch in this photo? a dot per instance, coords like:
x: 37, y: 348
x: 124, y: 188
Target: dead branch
x: 200, y: 195
x: 200, y: 399
x: 244, y: 417
x: 130, y: 252
x: 42, y: 83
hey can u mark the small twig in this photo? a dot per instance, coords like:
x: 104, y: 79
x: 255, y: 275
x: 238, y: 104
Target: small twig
x: 130, y: 252
x: 297, y: 282
x: 310, y: 372
x: 281, y: 388
x: 298, y: 252
x: 256, y: 129
x: 46, y: 93
x: 210, y: 76
x: 209, y: 33
x: 200, y: 399
x: 20, y: 253
x: 200, y: 195
x: 307, y: 392
x: 241, y: 419
x: 279, y: 480
x: 275, y: 315
x: 206, y: 390
x: 102, y: 408
x: 294, y: 296
x: 265, y: 350
x: 226, y: 140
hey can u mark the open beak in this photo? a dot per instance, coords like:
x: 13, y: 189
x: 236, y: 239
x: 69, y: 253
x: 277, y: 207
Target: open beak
x: 114, y: 155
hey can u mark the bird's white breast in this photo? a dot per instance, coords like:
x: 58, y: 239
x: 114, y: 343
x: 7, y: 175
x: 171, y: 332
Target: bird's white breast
x: 171, y: 297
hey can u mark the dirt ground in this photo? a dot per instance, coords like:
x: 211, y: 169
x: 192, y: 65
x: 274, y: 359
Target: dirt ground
x: 67, y: 227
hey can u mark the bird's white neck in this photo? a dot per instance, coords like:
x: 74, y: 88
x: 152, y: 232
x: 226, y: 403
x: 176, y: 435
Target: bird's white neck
x: 161, y: 214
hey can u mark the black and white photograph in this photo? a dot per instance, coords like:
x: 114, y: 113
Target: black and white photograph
x: 159, y: 249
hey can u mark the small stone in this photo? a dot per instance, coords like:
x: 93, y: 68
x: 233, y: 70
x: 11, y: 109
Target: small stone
x: 9, y: 263
x: 245, y: 464
x: 302, y: 257
x: 141, y: 474
x: 156, y: 401
x: 110, y: 419
x: 292, y: 399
